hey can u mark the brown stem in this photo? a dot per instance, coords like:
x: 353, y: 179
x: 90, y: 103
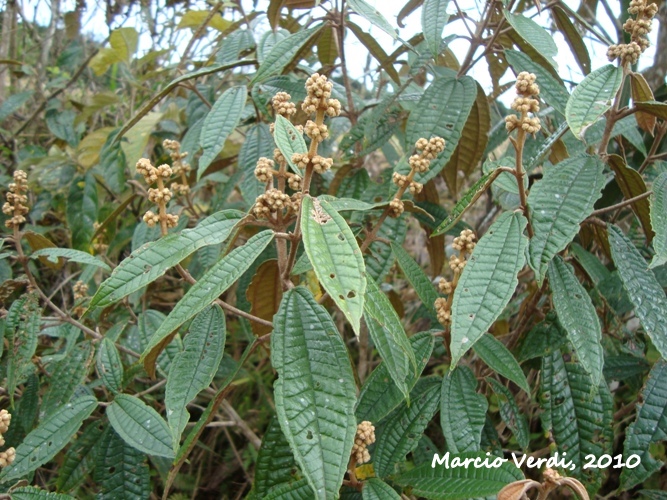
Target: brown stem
x: 622, y: 204
x: 351, y: 113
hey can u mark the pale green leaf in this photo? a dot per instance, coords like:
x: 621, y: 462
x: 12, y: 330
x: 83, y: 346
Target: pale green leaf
x: 434, y: 19
x: 416, y: 277
x: 500, y: 360
x: 315, y: 390
x: 54, y: 253
x: 372, y: 15
x: 534, y: 34
x: 289, y: 140
x: 110, y: 366
x: 488, y: 282
x: 140, y: 426
x: 297, y: 490
x: 558, y: 204
x: 659, y: 220
x: 282, y: 53
x: 336, y: 257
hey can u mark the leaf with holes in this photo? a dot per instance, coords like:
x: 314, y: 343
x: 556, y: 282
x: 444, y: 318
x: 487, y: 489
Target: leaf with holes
x: 578, y: 317
x: 194, y: 368
x: 592, y: 98
x: 51, y: 436
x: 220, y: 121
x: 336, y: 257
x: 218, y: 279
x: 643, y: 288
x: 558, y: 204
x: 315, y: 390
x: 152, y: 260
x: 289, y: 140
x: 140, y: 426
x: 488, y: 282
x: 121, y: 470
x: 659, y: 220
x: 497, y: 357
x: 399, y: 433
x: 434, y: 19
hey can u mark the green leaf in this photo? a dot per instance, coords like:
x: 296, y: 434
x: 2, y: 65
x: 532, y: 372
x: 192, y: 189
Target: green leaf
x: 459, y: 483
x: 644, y: 291
x: 33, y: 493
x: 121, y: 470
x: 442, y: 111
x: 219, y: 123
x: 22, y: 326
x: 70, y: 372
x: 573, y: 39
x: 380, y: 258
x: 388, y: 336
x: 82, y: 210
x: 258, y: 143
x: 44, y: 443
x: 494, y: 353
x: 149, y: 322
x: 53, y: 254
x: 659, y: 220
x: 552, y: 90
x: 399, y: 433
x: 218, y: 279
x: 649, y: 427
x: 535, y: 35
x: 462, y: 410
x: 434, y: 19
x: 592, y: 98
x: 297, y: 490
x: 416, y: 277
x: 289, y: 140
x: 194, y: 368
x: 110, y: 366
x: 336, y: 257
x: 376, y: 50
x: 632, y: 184
x: 275, y: 461
x: 558, y: 204
x: 510, y: 413
x: 282, y: 54
x: 140, y: 426
x: 315, y: 390
x: 80, y: 458
x: 380, y: 395
x: 376, y: 489
x: 373, y: 16
x: 13, y: 103
x: 152, y: 260
x: 488, y: 282
x: 655, y: 108
x: 578, y: 414
x: 578, y: 317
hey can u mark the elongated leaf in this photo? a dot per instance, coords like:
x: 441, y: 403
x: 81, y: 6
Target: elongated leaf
x: 552, y: 90
x: 442, y: 111
x: 152, y: 260
x: 289, y: 140
x: 655, y: 108
x: 380, y: 258
x: 33, y: 493
x: 69, y: 372
x: 643, y: 288
x: 376, y: 489
x: 534, y: 34
x: 44, y: 443
x: 451, y: 482
x: 642, y: 92
x: 82, y: 210
x: 275, y: 461
x: 194, y: 368
x: 400, y: 431
x: 558, y: 204
x: 22, y: 329
x: 80, y: 458
x: 462, y: 411
x: 218, y: 279
x: 110, y: 366
x: 258, y: 143
x: 121, y: 470
x: 297, y: 490
x: 140, y: 426
x: 487, y: 282
x: 327, y: 46
x: 417, y: 277
x: 573, y: 39
x: 500, y: 360
x: 632, y: 184
x: 264, y: 294
x: 334, y: 252
x: 650, y: 426
x: 373, y: 16
x: 434, y: 19
x: 659, y: 220
x: 219, y: 123
x: 53, y: 255
x: 376, y: 51
x: 379, y: 394
x: 592, y: 98
x: 282, y: 53
x: 510, y: 413
x: 578, y: 317
x: 389, y: 337
x: 315, y: 390
x: 578, y: 414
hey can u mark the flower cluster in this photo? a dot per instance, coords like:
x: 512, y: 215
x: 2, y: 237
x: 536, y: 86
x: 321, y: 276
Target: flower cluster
x: 16, y: 200
x: 7, y: 456
x: 178, y: 166
x: 318, y: 96
x: 420, y: 162
x: 525, y: 104
x: 80, y: 290
x: 464, y: 244
x: 272, y: 202
x: 365, y: 436
x: 638, y: 28
x: 160, y: 195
